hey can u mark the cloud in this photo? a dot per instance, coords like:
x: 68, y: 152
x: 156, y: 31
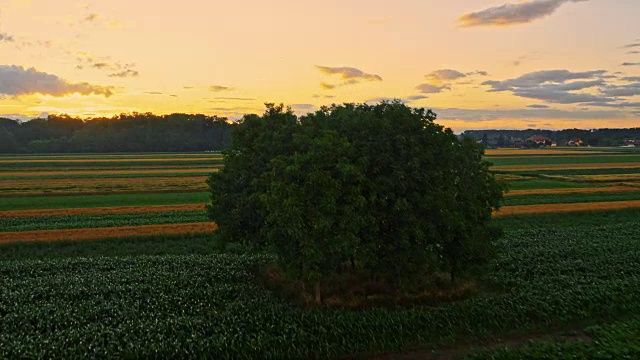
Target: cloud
x: 327, y: 86
x: 513, y: 14
x: 218, y: 88
x: 416, y: 97
x: 631, y: 64
x: 317, y: 96
x: 303, y: 107
x: 540, y: 77
x: 622, y: 90
x: 104, y: 63
x: 589, y: 88
x: 630, y: 46
x: 17, y: 80
x: 235, y: 98
x: 538, y: 106
x: 6, y: 37
x: 445, y: 75
x: 448, y: 75
x: 431, y: 89
x: 349, y: 73
x: 631, y: 78
x: 91, y: 17
x: 153, y: 93
x: 477, y: 115
x: 125, y: 73
x: 634, y: 52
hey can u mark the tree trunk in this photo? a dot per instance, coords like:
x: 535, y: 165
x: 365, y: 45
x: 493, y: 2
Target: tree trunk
x: 318, y: 293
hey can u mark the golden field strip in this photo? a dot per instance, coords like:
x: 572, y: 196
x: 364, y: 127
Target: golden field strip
x: 545, y: 151
x: 105, y: 233
x: 157, y: 178
x: 71, y: 173
x: 101, y: 185
x: 102, y: 210
x: 36, y: 161
x: 566, y: 208
x: 204, y: 227
x: 543, y: 167
x: 562, y: 191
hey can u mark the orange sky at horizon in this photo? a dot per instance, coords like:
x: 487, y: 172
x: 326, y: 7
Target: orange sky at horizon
x: 478, y: 63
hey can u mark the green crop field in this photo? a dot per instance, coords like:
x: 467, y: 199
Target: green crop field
x: 563, y: 285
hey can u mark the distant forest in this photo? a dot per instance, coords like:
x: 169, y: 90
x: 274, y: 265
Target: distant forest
x: 124, y: 133
x: 593, y: 137
x: 184, y: 132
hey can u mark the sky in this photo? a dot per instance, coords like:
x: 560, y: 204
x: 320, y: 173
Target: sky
x: 478, y: 64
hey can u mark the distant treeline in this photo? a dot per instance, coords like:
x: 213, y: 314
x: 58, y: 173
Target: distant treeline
x: 124, y: 133
x: 594, y: 137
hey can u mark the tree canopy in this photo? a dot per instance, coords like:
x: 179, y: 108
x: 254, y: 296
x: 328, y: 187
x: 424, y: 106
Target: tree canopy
x: 124, y: 133
x: 378, y: 189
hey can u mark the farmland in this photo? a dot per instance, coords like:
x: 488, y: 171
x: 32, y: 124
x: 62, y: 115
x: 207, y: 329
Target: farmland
x: 151, y: 281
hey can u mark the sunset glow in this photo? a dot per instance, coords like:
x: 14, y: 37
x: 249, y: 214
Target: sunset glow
x: 478, y: 64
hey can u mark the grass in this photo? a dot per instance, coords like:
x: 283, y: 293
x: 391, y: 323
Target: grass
x: 555, y: 221
x: 618, y: 340
x: 99, y: 220
x: 19, y: 165
x: 186, y: 244
x: 88, y: 201
x: 609, y: 159
x: 176, y: 306
x: 570, y: 198
x: 547, y: 184
x: 105, y: 185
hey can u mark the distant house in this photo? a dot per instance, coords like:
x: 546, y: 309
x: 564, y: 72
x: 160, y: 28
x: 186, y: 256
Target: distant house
x: 631, y: 142
x: 575, y: 142
x: 539, y: 140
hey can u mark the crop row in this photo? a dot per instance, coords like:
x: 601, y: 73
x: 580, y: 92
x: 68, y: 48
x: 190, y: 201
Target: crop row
x: 110, y: 156
x: 109, y: 174
x: 603, y: 196
x: 105, y: 185
x: 210, y: 306
x: 587, y: 159
x: 610, y: 341
x: 99, y: 220
x: 97, y: 164
x: 89, y: 201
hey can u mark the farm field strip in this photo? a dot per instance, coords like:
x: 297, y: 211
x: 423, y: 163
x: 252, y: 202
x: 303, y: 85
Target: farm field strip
x: 545, y: 151
x: 600, y: 178
x: 106, y: 170
x: 105, y: 185
x: 550, y: 155
x: 102, y: 160
x: 542, y: 167
x: 570, y: 160
x: 539, y: 184
x: 566, y: 208
x: 581, y: 190
x: 111, y: 156
x: 75, y: 221
x: 105, y: 232
x: 568, y: 198
x: 101, y: 201
x: 90, y: 165
x: 117, y: 306
x: 101, y: 210
x: 110, y: 172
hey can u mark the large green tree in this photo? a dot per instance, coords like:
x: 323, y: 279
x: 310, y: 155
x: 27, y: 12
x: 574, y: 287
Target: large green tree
x: 378, y: 189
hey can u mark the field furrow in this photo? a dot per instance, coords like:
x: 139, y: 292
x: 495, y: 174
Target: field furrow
x: 560, y: 191
x: 566, y: 208
x: 105, y: 233
x: 101, y: 210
